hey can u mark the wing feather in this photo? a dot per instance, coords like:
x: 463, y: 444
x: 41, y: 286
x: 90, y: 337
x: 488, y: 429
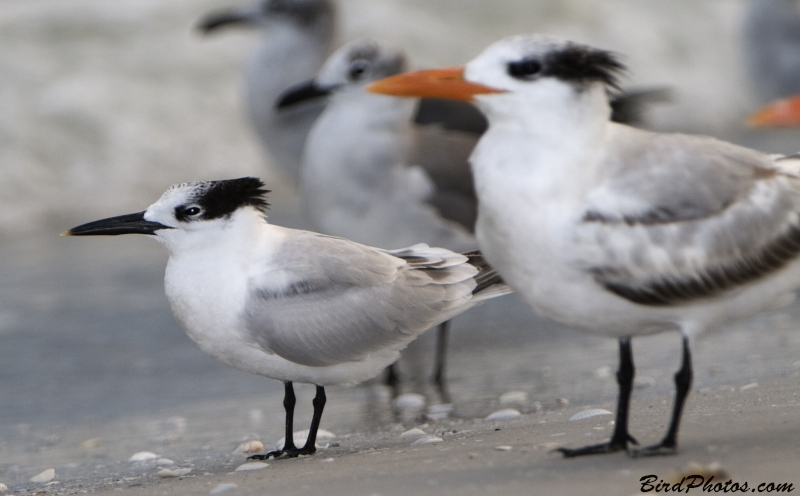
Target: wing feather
x: 349, y: 300
x: 690, y: 218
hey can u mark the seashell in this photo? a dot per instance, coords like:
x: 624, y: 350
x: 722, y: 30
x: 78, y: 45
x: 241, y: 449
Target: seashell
x: 166, y: 473
x: 251, y: 466
x: 45, y: 476
x: 413, y: 433
x: 592, y: 412
x: 250, y: 447
x: 506, y: 414
x: 427, y: 440
x: 143, y: 456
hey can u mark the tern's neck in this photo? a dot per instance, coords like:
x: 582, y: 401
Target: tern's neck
x: 557, y: 135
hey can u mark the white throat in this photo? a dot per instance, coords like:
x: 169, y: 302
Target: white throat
x: 556, y: 133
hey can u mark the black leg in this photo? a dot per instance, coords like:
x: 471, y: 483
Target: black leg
x: 319, y: 405
x: 439, y: 379
x: 289, y: 449
x: 289, y: 401
x: 683, y: 381
x: 393, y: 379
x: 620, y: 438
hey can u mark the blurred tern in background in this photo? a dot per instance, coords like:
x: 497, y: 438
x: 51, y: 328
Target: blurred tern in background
x: 610, y: 229
x: 297, y: 39
x: 391, y: 171
x: 293, y: 305
x: 358, y: 177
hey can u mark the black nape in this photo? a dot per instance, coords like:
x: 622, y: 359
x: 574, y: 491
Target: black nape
x: 221, y: 198
x: 581, y: 64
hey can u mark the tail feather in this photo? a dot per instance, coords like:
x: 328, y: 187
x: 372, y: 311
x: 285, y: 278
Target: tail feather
x: 487, y: 277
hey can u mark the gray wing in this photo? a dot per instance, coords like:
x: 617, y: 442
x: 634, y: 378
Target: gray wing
x: 333, y: 300
x: 685, y: 217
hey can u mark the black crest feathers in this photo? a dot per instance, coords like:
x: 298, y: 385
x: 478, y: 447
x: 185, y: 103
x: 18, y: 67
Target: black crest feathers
x: 582, y: 64
x: 221, y: 198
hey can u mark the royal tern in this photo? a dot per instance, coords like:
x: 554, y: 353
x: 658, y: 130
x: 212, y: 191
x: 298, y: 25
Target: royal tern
x: 611, y: 229
x: 297, y: 39
x: 292, y: 305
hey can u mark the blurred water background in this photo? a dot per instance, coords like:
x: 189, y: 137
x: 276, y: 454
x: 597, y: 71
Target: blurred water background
x: 105, y: 104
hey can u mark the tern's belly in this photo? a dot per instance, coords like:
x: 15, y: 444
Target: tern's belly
x: 210, y: 311
x: 534, y: 258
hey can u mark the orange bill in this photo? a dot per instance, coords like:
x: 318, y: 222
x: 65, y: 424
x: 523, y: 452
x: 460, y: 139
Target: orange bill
x: 783, y: 113
x: 437, y: 83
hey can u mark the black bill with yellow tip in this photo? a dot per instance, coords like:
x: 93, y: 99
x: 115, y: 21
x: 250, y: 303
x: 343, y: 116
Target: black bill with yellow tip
x: 123, y: 224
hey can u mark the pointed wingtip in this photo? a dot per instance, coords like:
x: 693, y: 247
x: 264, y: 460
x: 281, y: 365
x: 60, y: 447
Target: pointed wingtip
x: 68, y: 232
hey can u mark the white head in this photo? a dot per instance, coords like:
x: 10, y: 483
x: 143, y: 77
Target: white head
x: 517, y: 75
x: 190, y: 214
x: 351, y: 67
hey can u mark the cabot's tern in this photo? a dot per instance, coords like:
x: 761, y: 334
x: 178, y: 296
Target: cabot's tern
x: 611, y: 229
x: 292, y: 305
x: 297, y: 39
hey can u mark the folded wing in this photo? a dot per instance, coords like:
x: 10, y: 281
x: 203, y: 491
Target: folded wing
x: 684, y: 217
x: 339, y: 301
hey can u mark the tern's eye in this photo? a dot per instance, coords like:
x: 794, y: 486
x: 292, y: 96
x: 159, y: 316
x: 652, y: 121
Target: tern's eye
x: 357, y: 69
x: 524, y: 69
x: 188, y: 212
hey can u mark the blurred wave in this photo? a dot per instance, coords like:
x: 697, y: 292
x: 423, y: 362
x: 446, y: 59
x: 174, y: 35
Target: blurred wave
x: 104, y: 104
